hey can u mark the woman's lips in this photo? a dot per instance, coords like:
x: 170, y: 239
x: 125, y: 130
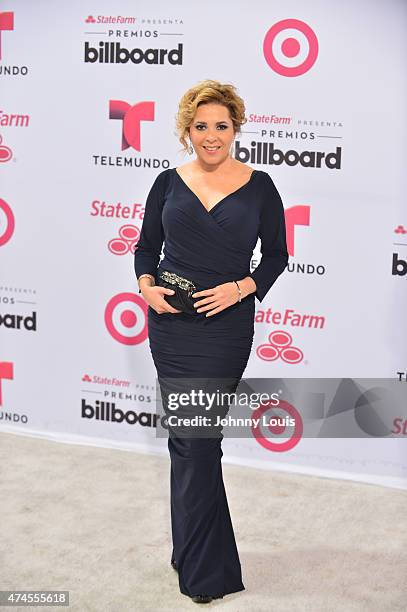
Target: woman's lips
x: 211, y: 150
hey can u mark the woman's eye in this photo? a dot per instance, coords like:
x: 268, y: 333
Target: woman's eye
x: 222, y: 127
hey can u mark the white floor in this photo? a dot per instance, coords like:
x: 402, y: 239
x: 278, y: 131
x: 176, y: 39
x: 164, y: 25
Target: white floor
x: 96, y: 522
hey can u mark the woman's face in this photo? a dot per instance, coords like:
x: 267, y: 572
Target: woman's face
x: 211, y: 133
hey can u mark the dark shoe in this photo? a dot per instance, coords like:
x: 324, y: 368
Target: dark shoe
x: 202, y: 598
x: 174, y: 566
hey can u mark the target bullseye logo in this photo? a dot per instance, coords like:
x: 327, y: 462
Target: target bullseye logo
x: 277, y: 429
x: 7, y: 222
x: 126, y: 318
x: 290, y: 47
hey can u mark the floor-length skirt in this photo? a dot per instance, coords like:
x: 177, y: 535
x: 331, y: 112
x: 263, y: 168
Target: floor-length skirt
x: 217, y: 347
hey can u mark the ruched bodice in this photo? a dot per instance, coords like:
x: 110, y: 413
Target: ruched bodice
x: 215, y: 246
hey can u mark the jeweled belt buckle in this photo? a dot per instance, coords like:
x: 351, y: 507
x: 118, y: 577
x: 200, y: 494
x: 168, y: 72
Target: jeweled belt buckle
x: 175, y: 279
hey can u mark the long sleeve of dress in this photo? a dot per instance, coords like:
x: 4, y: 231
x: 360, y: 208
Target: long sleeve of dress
x: 272, y: 234
x: 148, y: 251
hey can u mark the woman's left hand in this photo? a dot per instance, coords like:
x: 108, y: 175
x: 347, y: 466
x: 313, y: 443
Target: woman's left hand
x: 216, y: 299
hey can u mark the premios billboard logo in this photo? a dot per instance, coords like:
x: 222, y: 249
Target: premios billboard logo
x: 118, y: 31
x: 280, y: 139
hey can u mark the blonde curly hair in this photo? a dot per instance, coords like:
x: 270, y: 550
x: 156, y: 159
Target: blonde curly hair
x: 205, y: 92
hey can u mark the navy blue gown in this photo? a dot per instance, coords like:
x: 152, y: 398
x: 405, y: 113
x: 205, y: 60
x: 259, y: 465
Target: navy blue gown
x: 210, y: 248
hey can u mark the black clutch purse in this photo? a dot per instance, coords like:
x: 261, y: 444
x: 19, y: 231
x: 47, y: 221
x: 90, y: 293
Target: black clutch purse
x: 184, y: 288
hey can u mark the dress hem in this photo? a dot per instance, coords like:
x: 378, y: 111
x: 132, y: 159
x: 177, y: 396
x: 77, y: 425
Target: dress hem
x: 219, y: 596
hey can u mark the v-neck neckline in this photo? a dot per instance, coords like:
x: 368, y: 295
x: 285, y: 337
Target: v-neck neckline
x: 220, y: 201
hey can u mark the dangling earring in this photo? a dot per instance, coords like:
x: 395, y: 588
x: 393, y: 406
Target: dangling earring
x: 190, y: 149
x: 232, y: 149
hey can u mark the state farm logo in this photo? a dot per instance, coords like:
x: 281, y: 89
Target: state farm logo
x: 7, y: 25
x: 290, y: 47
x: 399, y: 262
x: 126, y: 242
x: 14, y: 120
x: 5, y: 152
x: 280, y: 346
x: 132, y: 118
x: 110, y: 381
x: 129, y: 234
x: 111, y: 19
x: 289, y: 317
x: 101, y: 208
x: 7, y: 222
x: 10, y: 120
x: 126, y: 318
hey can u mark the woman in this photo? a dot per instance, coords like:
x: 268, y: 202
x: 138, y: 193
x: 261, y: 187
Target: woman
x: 209, y: 213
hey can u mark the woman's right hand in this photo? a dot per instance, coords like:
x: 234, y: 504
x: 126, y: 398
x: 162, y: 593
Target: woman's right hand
x: 154, y: 296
